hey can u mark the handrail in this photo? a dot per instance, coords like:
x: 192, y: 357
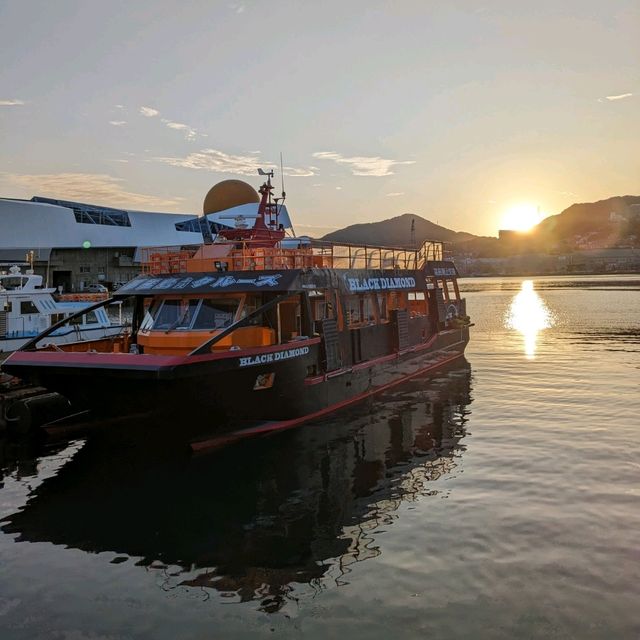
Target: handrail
x: 252, y: 255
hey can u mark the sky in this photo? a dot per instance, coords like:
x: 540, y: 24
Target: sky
x: 456, y: 111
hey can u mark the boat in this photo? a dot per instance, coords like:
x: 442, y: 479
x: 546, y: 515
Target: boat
x: 27, y: 308
x: 262, y: 330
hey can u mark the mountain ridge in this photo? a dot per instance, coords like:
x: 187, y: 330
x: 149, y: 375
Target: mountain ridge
x: 607, y: 222
x: 396, y: 231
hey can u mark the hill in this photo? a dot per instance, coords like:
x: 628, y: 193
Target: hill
x: 396, y: 232
x: 607, y: 221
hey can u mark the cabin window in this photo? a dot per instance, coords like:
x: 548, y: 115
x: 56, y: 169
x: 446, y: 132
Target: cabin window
x: 27, y: 307
x: 321, y: 305
x: 251, y: 304
x: 7, y: 306
x: 323, y: 310
x: 360, y: 310
x: 10, y: 284
x: 91, y: 318
x: 149, y: 315
x: 367, y: 309
x: 417, y: 303
x: 451, y: 289
x: 352, y: 310
x: 216, y: 313
x: 397, y: 300
x: 175, y: 314
x: 56, y: 317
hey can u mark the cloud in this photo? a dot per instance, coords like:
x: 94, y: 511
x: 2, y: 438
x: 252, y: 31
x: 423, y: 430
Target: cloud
x: 119, y: 106
x: 620, y: 96
x: 221, y: 162
x: 95, y: 188
x: 363, y: 165
x: 11, y: 103
x: 117, y: 123
x: 394, y: 194
x: 189, y: 132
x: 237, y: 7
x: 293, y: 172
x: 148, y: 112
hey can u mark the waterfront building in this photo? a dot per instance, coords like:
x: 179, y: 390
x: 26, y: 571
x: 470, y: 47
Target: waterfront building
x: 73, y: 244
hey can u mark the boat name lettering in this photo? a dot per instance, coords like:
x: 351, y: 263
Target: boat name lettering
x: 165, y: 283
x: 201, y: 282
x: 444, y: 271
x: 181, y: 284
x: 265, y: 358
x: 260, y: 281
x: 213, y: 282
x: 377, y: 284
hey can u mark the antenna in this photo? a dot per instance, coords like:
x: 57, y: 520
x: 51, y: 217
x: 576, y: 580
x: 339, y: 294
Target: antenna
x: 284, y: 195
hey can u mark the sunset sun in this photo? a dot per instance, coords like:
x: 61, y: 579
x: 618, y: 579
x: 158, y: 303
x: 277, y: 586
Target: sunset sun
x: 522, y: 217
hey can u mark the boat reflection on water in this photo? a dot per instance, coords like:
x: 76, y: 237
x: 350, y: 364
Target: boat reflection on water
x: 253, y: 520
x: 528, y: 314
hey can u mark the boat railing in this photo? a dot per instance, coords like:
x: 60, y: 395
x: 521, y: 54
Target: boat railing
x: 254, y: 256
x: 354, y: 256
x: 155, y: 260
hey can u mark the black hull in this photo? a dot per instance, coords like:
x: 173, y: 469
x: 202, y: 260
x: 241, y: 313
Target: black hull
x: 282, y: 389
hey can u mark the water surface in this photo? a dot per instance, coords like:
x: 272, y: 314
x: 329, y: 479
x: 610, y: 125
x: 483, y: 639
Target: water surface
x: 496, y: 499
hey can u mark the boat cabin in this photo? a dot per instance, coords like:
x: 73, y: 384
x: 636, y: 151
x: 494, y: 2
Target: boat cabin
x: 28, y: 308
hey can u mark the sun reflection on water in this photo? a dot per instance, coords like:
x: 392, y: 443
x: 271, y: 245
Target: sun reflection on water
x: 529, y: 315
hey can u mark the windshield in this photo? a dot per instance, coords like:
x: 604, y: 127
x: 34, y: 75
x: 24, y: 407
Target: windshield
x: 13, y: 282
x: 196, y: 314
x: 216, y: 314
x: 175, y: 314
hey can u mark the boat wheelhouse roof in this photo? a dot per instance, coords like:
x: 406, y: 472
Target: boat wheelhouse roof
x: 347, y: 280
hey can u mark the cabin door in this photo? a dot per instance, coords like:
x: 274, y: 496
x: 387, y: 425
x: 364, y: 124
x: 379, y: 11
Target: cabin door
x: 62, y: 279
x: 289, y: 319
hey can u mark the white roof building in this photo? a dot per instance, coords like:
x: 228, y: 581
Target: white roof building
x: 42, y: 223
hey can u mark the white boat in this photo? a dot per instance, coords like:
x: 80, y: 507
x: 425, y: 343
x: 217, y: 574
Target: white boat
x: 27, y: 308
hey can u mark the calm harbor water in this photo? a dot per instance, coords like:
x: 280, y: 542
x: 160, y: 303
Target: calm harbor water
x: 497, y: 499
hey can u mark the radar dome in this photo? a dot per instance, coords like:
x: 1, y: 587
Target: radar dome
x: 227, y: 194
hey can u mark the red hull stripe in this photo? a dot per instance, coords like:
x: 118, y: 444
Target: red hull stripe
x: 271, y: 427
